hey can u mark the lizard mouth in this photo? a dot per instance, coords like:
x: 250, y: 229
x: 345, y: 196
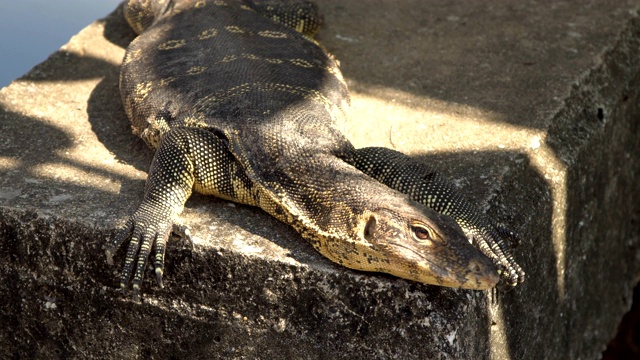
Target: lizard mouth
x: 419, y: 266
x: 413, y: 256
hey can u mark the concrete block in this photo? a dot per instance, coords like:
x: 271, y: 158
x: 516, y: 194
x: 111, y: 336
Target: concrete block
x: 530, y: 108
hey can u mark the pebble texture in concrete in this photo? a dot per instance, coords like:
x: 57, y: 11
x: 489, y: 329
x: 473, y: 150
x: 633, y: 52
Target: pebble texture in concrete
x: 532, y: 109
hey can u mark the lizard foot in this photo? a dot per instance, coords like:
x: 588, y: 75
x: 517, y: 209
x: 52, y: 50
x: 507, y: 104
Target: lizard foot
x: 149, y: 227
x: 492, y: 243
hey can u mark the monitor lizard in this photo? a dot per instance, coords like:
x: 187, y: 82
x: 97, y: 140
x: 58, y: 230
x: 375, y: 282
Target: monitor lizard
x: 240, y: 102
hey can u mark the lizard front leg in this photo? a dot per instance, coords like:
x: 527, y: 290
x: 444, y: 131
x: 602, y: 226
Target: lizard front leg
x: 169, y: 184
x: 423, y: 184
x: 187, y: 159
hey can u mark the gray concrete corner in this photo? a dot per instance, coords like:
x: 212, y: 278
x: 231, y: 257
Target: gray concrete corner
x: 533, y: 110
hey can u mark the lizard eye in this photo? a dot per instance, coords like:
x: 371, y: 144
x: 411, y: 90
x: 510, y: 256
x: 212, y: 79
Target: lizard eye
x: 421, y: 234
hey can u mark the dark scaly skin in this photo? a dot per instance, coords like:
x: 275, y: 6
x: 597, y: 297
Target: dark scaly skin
x: 241, y: 107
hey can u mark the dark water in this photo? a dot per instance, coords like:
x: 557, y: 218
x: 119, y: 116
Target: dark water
x: 30, y: 30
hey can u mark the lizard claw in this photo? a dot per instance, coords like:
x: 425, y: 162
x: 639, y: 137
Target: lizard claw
x: 115, y: 244
x: 148, y: 228
x: 159, y: 273
x: 136, y: 292
x: 181, y: 231
x: 491, y: 241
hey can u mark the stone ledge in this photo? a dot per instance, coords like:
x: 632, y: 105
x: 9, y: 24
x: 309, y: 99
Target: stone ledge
x: 555, y: 87
x: 62, y: 301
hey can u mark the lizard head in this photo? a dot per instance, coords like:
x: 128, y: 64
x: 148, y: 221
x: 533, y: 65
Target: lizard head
x: 416, y: 243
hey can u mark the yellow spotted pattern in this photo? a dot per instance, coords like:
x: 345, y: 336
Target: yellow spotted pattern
x: 301, y: 62
x: 273, y: 34
x: 172, y: 44
x: 142, y: 90
x: 195, y: 70
x: 235, y: 29
x: 166, y: 81
x: 209, y: 33
x: 131, y: 56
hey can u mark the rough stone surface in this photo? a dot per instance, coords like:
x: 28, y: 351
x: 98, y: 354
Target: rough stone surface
x: 532, y: 109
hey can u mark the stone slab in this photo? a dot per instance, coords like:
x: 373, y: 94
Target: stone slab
x: 530, y: 108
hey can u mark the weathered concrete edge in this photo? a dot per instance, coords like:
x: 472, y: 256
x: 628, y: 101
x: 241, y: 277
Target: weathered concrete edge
x: 583, y: 200
x: 597, y: 209
x: 61, y: 300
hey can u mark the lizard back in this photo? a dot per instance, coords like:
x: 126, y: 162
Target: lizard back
x: 226, y: 69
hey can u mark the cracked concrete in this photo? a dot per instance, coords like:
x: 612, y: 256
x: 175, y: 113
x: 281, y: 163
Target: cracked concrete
x: 531, y: 109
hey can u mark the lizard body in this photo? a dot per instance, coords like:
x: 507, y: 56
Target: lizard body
x: 241, y: 103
